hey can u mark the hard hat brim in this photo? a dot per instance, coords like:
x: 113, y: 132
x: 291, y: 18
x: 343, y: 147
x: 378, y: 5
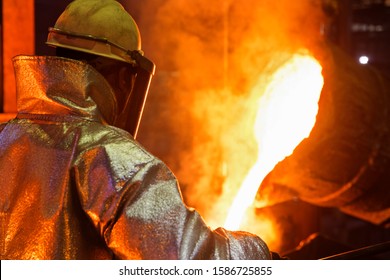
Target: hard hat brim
x: 88, y: 44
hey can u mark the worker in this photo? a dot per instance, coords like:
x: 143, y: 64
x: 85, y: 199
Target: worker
x: 74, y: 183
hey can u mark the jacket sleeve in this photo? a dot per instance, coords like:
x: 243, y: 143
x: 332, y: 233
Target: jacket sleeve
x: 136, y: 204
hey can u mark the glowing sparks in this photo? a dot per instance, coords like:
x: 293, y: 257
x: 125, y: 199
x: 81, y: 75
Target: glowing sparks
x: 286, y: 114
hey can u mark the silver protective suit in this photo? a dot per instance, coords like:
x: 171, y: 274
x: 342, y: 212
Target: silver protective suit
x: 74, y: 187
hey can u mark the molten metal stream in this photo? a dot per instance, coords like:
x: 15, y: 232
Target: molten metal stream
x: 286, y: 115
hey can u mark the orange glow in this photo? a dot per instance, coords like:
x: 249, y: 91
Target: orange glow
x: 286, y: 114
x: 18, y: 38
x: 215, y: 60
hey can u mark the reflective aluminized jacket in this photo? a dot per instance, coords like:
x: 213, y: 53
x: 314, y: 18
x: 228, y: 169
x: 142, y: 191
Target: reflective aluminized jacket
x: 73, y: 187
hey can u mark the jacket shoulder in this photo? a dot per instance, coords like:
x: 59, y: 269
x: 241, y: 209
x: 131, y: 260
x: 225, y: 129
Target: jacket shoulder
x: 112, y: 145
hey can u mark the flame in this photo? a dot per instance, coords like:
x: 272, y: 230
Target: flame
x: 286, y: 114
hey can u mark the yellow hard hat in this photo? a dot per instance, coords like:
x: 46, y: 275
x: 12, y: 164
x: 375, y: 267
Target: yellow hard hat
x: 100, y: 27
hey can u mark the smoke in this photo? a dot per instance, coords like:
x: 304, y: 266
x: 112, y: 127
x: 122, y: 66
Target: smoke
x: 209, y: 54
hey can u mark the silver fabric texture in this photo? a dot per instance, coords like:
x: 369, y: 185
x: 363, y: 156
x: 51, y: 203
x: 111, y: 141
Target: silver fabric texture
x: 74, y: 187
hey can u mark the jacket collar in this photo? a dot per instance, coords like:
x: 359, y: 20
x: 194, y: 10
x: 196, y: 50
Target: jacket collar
x: 53, y: 85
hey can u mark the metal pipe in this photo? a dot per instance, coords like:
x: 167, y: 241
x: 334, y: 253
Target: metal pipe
x: 361, y: 252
